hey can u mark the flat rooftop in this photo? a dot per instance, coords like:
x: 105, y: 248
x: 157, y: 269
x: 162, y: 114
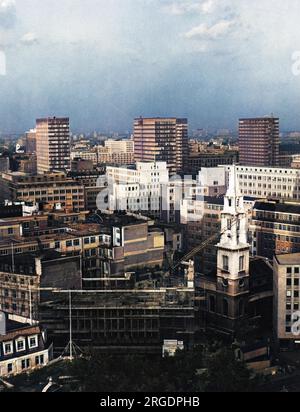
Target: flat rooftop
x: 12, y: 325
x: 122, y: 219
x: 268, y: 117
x: 162, y: 118
x: 288, y: 259
x: 293, y: 208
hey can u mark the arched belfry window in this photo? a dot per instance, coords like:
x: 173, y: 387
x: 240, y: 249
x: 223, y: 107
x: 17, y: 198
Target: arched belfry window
x: 225, y: 263
x: 241, y: 263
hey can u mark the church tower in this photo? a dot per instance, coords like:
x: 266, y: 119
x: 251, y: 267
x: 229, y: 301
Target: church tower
x: 233, y: 257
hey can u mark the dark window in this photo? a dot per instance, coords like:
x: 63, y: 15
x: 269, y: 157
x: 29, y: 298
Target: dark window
x: 225, y: 307
x: 212, y: 304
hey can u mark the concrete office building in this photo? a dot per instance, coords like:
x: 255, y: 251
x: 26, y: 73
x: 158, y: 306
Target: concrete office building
x: 50, y: 190
x: 119, y: 146
x: 4, y: 164
x: 267, y: 182
x: 137, y: 188
x: 275, y: 228
x: 286, y: 300
x: 196, y: 161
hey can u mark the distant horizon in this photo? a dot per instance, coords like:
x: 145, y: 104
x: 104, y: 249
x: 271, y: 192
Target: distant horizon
x: 130, y: 130
x: 212, y: 131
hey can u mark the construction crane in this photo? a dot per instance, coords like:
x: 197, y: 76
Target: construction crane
x: 195, y: 251
x: 203, y: 245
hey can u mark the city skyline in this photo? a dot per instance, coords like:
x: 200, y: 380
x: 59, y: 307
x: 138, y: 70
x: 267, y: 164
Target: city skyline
x: 149, y: 198
x: 105, y: 63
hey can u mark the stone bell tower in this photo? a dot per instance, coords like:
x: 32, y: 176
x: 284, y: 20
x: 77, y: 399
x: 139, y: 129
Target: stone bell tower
x: 233, y: 257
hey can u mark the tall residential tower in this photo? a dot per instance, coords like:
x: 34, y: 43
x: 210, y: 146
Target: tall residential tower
x: 162, y: 139
x: 259, y: 141
x: 53, y: 144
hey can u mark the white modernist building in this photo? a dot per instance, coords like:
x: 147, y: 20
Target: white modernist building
x: 254, y: 181
x: 268, y: 182
x: 147, y: 187
x: 138, y: 188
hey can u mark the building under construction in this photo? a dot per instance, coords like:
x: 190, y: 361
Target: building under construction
x: 124, y: 321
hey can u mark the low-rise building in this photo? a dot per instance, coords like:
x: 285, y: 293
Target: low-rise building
x: 17, y: 209
x: 4, y: 164
x: 25, y: 279
x: 53, y: 190
x: 79, y: 165
x: 87, y: 178
x: 27, y: 163
x: 91, y: 195
x: 30, y: 141
x: 114, y: 245
x: 209, y: 159
x: 23, y: 347
x: 286, y: 306
x: 87, y: 155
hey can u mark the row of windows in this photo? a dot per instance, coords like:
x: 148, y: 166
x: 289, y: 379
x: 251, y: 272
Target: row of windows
x: 26, y: 363
x: 287, y: 228
x: 280, y: 238
x: 270, y: 186
x: 46, y: 192
x: 275, y: 170
x: 14, y: 294
x: 268, y: 178
x: 274, y: 194
x: 295, y: 270
x: 19, y: 345
x: 289, y: 306
x: 226, y: 263
x: 17, y: 279
x: 289, y: 282
x: 276, y: 216
x: 295, y: 294
x: 18, y: 250
x: 22, y: 280
x: 14, y: 307
x: 69, y: 243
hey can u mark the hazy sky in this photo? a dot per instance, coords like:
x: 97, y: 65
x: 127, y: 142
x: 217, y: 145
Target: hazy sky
x: 104, y: 62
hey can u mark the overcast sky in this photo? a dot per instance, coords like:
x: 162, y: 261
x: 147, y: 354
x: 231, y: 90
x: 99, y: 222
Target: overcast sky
x: 104, y: 62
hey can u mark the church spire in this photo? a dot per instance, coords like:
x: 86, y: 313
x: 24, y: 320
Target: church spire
x: 234, y: 217
x: 233, y: 256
